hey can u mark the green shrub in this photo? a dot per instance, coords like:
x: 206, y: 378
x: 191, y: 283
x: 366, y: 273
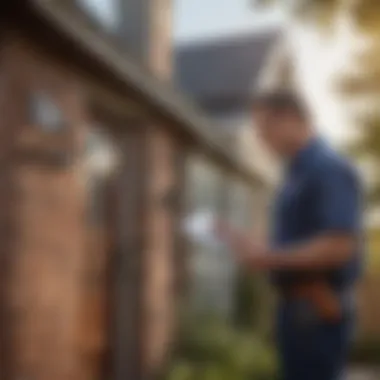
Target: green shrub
x: 181, y: 370
x: 253, y: 304
x: 212, y: 350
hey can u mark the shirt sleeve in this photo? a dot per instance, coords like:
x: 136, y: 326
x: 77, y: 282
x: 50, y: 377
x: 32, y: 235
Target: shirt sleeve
x: 340, y: 200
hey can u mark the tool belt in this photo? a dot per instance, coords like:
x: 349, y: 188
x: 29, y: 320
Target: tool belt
x: 321, y: 296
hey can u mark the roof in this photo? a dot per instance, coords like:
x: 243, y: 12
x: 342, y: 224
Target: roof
x: 123, y: 70
x: 223, y: 69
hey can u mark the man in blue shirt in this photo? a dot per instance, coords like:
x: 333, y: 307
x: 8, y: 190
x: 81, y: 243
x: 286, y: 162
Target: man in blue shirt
x: 314, y: 258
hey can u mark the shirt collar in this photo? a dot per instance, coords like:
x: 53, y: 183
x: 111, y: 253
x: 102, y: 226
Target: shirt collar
x: 303, y: 157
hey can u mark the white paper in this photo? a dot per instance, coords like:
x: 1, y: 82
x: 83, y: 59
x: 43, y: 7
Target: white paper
x: 200, y: 227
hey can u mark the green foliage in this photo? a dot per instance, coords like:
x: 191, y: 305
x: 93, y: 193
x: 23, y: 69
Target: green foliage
x: 365, y: 84
x: 253, y: 303
x: 318, y: 12
x: 247, y: 301
x: 367, y: 147
x: 213, y: 350
x: 366, y: 15
x: 373, y: 239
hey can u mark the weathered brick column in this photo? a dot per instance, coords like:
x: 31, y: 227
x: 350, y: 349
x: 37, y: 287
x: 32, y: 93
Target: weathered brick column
x: 162, y: 177
x: 159, y: 270
x: 46, y: 240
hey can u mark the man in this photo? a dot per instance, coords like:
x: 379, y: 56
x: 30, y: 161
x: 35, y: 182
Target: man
x: 314, y: 258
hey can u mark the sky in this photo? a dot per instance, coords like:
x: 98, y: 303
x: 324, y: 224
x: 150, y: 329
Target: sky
x: 317, y: 59
x: 199, y: 19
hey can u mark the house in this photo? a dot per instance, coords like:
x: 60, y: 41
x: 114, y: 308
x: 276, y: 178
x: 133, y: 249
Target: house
x: 221, y: 76
x: 100, y: 159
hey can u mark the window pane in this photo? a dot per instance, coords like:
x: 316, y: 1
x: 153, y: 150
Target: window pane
x: 240, y: 207
x: 105, y: 11
x: 203, y: 186
x: 211, y: 265
x: 46, y: 113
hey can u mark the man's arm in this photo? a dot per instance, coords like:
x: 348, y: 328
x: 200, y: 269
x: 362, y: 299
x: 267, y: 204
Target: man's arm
x: 339, y: 214
x: 325, y: 252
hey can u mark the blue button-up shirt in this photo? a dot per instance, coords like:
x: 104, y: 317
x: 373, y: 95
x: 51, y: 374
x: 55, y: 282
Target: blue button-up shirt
x: 321, y: 194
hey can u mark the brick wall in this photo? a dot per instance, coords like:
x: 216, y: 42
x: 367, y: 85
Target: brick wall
x: 46, y: 258
x: 7, y: 97
x: 159, y: 252
x: 55, y: 330
x: 159, y: 256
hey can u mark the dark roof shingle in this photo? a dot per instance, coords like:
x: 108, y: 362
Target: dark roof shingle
x: 223, y: 69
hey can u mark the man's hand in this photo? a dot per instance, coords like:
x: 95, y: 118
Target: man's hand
x: 246, y: 251
x: 327, y: 251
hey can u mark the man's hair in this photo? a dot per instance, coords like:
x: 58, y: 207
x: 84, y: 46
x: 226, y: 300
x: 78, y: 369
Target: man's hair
x: 281, y: 102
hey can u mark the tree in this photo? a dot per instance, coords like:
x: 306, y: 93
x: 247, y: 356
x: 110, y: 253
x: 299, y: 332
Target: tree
x: 362, y: 83
x: 318, y: 12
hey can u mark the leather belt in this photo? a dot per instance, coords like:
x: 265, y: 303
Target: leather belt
x: 320, y: 294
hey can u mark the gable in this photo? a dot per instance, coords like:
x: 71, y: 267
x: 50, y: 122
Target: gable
x: 224, y: 70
